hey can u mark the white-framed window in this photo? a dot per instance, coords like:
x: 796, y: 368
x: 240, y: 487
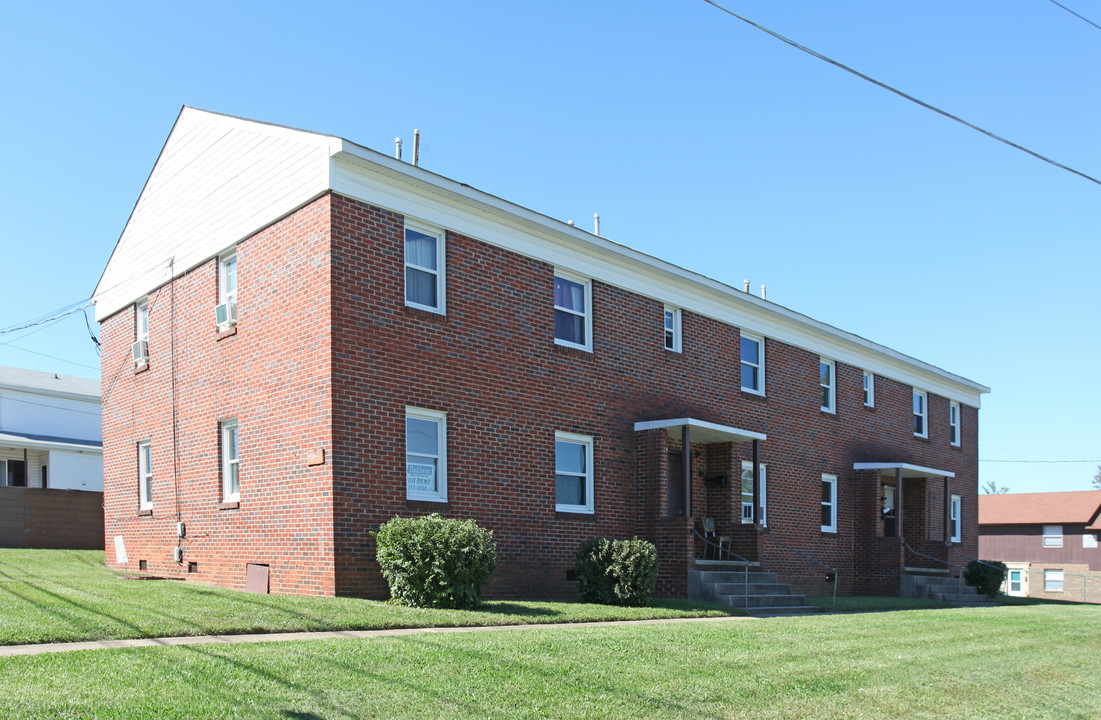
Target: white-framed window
x: 829, y: 503
x: 827, y: 382
x: 231, y: 471
x: 954, y: 422
x: 753, y: 363
x: 425, y: 455
x: 672, y: 329
x: 869, y: 389
x: 1053, y: 536
x: 747, y: 493
x: 424, y: 268
x: 1089, y: 540
x: 573, y: 473
x: 141, y: 333
x: 1053, y: 581
x: 145, y: 475
x: 225, y: 313
x: 921, y: 413
x: 955, y: 517
x: 141, y: 321
x: 573, y: 317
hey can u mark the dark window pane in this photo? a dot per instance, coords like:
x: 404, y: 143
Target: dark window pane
x: 568, y: 327
x: 420, y: 249
x: 749, y: 377
x: 827, y: 515
x: 825, y: 373
x: 569, y: 490
x: 569, y: 295
x: 569, y: 457
x: 827, y: 492
x: 420, y: 287
x: 751, y: 351
x: 825, y: 397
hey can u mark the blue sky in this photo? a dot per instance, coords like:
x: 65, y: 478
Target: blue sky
x: 697, y: 138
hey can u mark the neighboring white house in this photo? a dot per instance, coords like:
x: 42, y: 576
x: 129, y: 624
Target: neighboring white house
x: 51, y: 431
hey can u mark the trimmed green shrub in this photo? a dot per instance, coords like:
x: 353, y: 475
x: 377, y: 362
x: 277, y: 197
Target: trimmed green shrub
x: 985, y: 576
x: 435, y: 562
x: 617, y: 572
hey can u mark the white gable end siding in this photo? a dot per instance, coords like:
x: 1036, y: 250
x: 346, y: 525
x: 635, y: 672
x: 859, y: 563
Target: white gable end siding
x: 36, y: 414
x: 217, y: 181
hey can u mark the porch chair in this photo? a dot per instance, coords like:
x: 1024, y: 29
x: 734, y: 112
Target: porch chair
x: 723, y: 541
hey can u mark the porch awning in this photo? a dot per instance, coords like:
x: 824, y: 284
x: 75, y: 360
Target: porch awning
x: 908, y: 470
x: 48, y: 442
x: 703, y: 432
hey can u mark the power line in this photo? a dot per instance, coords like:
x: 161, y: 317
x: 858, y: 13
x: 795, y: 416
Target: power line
x: 1083, y: 19
x: 57, y: 315
x: 52, y: 357
x: 1043, y: 461
x: 901, y: 94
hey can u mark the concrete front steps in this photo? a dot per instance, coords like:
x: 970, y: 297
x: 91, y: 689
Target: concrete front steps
x: 726, y: 583
x: 936, y: 584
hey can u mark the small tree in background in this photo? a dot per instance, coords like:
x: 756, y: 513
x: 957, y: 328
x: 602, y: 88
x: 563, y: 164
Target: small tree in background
x: 1097, y: 479
x: 990, y: 488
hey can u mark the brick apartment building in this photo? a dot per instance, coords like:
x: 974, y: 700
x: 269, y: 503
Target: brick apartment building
x: 303, y: 338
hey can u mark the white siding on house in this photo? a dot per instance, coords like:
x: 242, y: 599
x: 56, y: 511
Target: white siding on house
x: 39, y: 414
x: 77, y: 471
x: 218, y: 180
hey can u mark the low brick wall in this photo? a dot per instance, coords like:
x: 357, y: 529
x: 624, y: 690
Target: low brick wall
x: 48, y: 518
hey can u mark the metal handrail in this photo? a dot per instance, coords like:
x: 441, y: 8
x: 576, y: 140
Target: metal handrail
x: 836, y: 573
x: 930, y: 557
x: 745, y: 561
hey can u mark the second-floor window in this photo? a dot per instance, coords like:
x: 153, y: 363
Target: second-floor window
x: 226, y: 311
x: 1053, y: 536
x: 424, y: 269
x: 827, y: 384
x: 954, y: 422
x: 869, y: 389
x: 572, y: 311
x: 921, y: 414
x: 141, y: 333
x: 753, y: 364
x: 672, y: 329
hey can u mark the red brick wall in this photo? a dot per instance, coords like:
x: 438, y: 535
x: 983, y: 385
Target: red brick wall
x: 272, y: 376
x: 491, y: 364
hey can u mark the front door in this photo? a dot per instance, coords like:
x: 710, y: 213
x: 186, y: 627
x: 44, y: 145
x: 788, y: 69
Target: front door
x: 676, y: 485
x: 890, y: 527
x: 1015, y: 583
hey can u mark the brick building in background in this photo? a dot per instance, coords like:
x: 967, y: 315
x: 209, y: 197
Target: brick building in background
x: 303, y: 338
x: 1048, y: 541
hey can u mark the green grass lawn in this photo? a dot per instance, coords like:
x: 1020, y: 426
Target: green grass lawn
x: 865, y: 603
x: 1030, y: 663
x: 69, y: 595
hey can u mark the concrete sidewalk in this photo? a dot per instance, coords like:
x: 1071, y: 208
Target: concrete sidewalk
x: 44, y: 648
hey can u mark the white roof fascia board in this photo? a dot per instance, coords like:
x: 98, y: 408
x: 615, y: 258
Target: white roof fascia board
x: 907, y: 469
x: 715, y: 431
x: 379, y: 180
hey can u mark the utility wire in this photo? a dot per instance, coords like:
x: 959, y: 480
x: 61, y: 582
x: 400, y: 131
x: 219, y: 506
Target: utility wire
x: 58, y: 314
x: 1083, y: 19
x: 1043, y: 461
x: 901, y: 94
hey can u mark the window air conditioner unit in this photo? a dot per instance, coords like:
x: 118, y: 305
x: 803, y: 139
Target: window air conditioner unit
x: 141, y: 352
x: 226, y: 315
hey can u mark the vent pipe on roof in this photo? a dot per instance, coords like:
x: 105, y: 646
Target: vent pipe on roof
x: 763, y: 292
x: 570, y: 223
x: 746, y: 286
x: 397, y: 148
x: 596, y: 224
x: 416, y: 147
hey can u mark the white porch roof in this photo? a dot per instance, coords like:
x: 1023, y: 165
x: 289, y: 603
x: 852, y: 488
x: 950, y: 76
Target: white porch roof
x: 703, y: 431
x: 908, y: 470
